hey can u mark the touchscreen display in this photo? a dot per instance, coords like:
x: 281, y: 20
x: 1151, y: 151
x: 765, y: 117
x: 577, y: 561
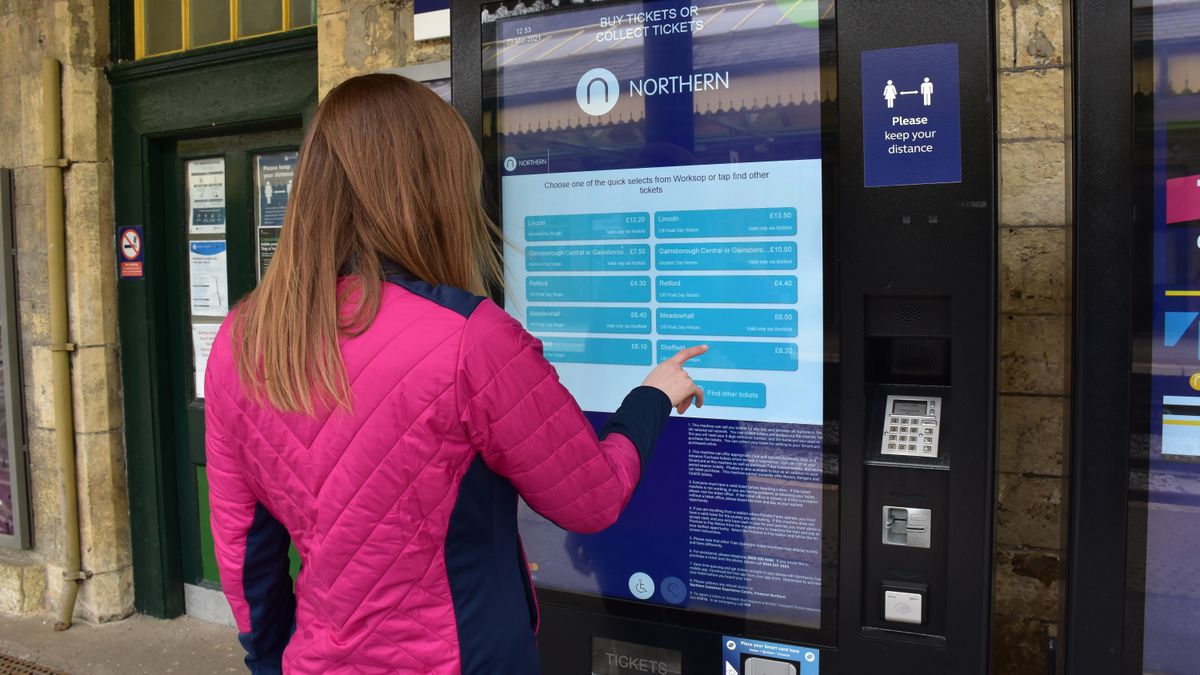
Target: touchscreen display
x: 660, y: 176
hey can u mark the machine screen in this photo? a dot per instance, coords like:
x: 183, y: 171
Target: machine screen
x: 660, y: 173
x: 910, y: 408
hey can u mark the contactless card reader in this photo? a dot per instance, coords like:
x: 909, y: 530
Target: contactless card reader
x: 901, y: 606
x: 756, y: 665
x: 911, y: 425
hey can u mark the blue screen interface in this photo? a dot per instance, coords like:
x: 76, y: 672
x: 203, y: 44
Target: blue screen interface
x: 660, y: 182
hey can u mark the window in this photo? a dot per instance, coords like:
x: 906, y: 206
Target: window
x: 1165, y: 461
x: 14, y: 499
x: 167, y: 26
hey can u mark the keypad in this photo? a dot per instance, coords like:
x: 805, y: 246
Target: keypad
x: 911, y: 436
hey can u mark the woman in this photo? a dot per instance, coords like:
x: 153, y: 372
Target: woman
x: 367, y: 405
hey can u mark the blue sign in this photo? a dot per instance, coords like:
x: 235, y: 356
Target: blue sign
x: 131, y: 253
x: 911, y: 132
x: 751, y: 657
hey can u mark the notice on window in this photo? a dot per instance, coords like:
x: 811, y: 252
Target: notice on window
x: 273, y: 181
x: 203, y: 336
x: 273, y: 188
x: 268, y: 242
x: 206, y: 195
x: 208, y: 262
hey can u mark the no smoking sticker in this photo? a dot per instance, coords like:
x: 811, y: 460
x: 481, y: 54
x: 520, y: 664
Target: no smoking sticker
x: 131, y: 253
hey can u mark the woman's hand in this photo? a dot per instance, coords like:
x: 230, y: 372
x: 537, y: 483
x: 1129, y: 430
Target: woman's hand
x: 670, y: 378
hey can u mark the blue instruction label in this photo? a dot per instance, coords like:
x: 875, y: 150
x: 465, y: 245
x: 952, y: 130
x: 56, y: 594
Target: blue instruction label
x: 911, y: 130
x: 744, y: 656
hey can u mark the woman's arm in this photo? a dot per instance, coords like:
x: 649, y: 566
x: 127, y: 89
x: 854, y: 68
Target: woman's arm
x: 251, y: 546
x: 529, y: 428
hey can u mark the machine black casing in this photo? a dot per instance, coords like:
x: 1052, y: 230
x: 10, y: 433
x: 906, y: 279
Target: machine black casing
x: 934, y: 246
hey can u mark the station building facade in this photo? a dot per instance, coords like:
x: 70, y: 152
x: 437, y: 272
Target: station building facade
x: 150, y: 88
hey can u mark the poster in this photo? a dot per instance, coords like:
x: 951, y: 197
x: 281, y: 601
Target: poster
x: 208, y: 262
x: 273, y: 184
x: 273, y: 189
x: 911, y: 124
x: 203, y: 336
x: 206, y: 195
x: 268, y: 241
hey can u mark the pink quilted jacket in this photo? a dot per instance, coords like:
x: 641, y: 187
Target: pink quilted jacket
x: 403, y: 510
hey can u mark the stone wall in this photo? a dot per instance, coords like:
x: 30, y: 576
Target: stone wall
x: 355, y: 37
x: 76, y: 32
x: 1034, y: 311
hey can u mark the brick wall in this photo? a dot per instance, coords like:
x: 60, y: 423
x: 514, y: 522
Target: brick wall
x: 76, y: 32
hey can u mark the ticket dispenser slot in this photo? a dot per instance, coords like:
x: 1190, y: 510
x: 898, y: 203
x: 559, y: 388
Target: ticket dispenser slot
x: 905, y: 526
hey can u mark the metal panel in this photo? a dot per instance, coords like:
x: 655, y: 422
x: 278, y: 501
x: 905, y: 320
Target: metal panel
x: 13, y: 391
x: 883, y: 231
x: 1102, y: 124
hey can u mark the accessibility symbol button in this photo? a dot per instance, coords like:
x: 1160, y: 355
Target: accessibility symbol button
x: 641, y: 585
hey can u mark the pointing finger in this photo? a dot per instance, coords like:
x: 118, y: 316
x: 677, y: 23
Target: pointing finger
x: 681, y: 357
x: 682, y: 407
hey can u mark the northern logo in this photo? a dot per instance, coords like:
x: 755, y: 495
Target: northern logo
x: 597, y: 91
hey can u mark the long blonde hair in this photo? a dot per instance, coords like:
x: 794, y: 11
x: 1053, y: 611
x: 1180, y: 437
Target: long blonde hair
x: 388, y: 173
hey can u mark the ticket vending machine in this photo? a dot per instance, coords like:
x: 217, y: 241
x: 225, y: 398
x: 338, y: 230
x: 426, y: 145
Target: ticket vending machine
x: 807, y: 187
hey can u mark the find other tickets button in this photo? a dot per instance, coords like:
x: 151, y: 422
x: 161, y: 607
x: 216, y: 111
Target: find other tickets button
x: 734, y: 394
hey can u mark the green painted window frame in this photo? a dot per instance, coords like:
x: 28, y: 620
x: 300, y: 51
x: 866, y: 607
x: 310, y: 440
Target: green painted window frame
x: 13, y: 390
x: 234, y: 28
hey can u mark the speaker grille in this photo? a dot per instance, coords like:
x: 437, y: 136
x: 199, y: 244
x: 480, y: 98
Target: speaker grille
x: 908, y: 314
x: 915, y: 358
